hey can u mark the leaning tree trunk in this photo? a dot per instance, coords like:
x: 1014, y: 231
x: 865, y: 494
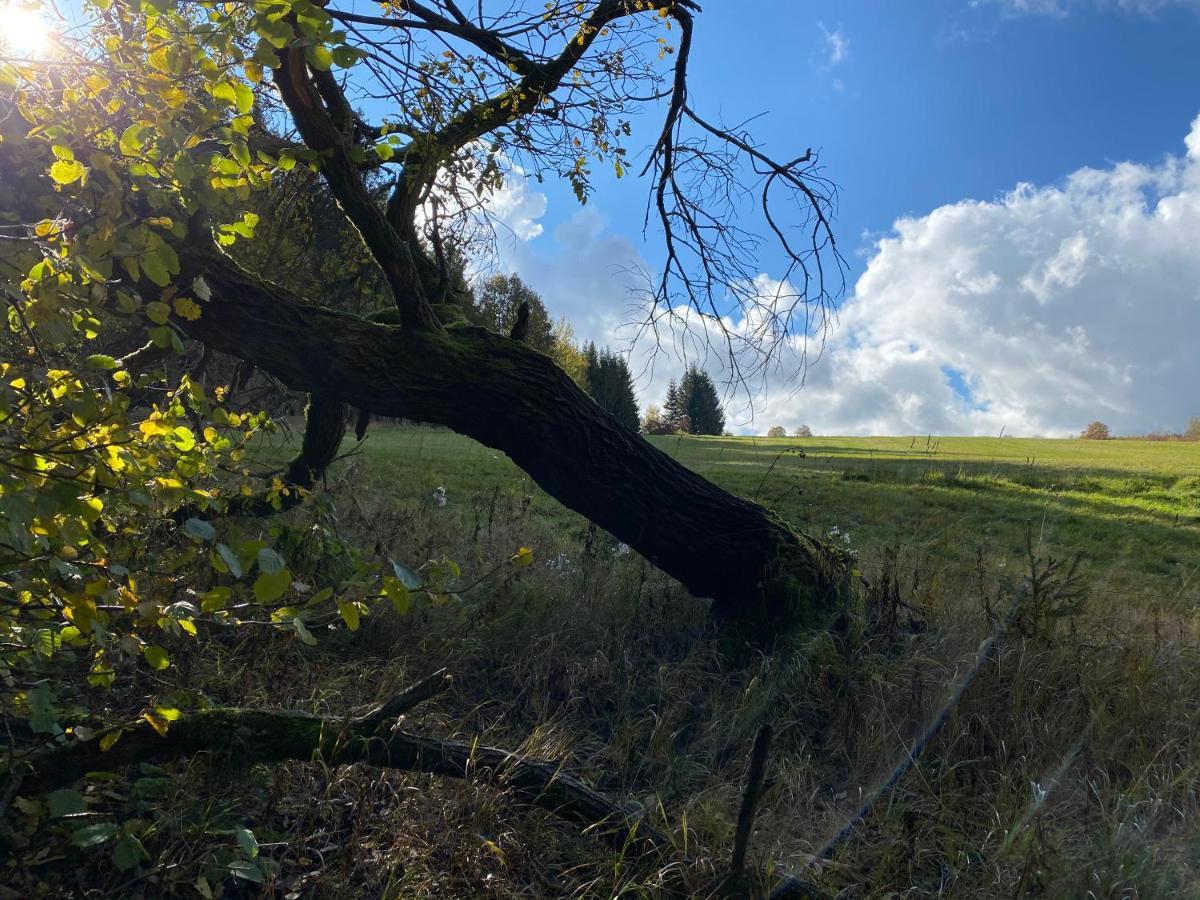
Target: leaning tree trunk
x: 762, y: 574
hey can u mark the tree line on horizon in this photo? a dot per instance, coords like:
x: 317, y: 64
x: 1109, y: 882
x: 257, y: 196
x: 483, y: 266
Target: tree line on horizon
x: 1098, y: 431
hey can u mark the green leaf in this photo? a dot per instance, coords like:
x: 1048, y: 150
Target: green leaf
x: 65, y: 171
x: 224, y: 90
x: 230, y: 559
x: 244, y: 97
x: 305, y: 634
x: 156, y: 656
x: 348, y: 610
x: 244, y: 868
x: 199, y: 529
x: 407, y: 576
x: 43, y: 714
x: 101, y: 361
x: 215, y: 600
x: 157, y: 312
x: 270, y: 562
x: 320, y: 58
x: 270, y: 586
x: 184, y: 439
x: 162, y: 336
x: 128, y: 852
x: 344, y: 57
x: 131, y: 140
x: 156, y: 270
x: 246, y: 841
x: 93, y: 834
x: 395, y: 590
x: 65, y: 803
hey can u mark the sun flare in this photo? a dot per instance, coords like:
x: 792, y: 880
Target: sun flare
x: 24, y: 32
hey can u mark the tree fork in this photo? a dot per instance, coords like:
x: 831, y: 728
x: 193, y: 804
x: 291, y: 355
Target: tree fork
x: 763, y: 575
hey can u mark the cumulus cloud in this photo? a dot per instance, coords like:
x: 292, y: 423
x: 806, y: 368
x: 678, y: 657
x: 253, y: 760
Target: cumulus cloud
x: 517, y: 209
x: 1035, y: 312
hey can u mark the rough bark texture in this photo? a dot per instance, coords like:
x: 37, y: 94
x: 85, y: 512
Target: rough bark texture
x: 759, y: 571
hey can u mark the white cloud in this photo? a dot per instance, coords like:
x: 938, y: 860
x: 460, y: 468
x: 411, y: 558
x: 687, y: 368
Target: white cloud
x: 835, y: 49
x: 517, y: 209
x: 1037, y: 312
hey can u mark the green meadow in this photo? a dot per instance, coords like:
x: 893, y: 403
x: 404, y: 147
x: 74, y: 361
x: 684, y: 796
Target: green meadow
x: 1129, y: 510
x: 1068, y: 761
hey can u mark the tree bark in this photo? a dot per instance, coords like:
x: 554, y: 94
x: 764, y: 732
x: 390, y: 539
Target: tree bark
x: 762, y: 574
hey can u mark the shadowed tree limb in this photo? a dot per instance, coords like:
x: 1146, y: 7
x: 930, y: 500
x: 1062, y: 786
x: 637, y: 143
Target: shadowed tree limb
x: 759, y: 570
x: 270, y: 736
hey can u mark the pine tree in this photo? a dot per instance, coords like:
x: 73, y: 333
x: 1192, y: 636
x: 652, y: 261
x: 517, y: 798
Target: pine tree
x: 611, y: 385
x: 591, y: 369
x: 672, y: 411
x: 699, y: 402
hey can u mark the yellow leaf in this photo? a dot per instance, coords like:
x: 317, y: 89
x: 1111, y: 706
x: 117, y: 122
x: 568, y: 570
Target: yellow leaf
x: 154, y: 427
x: 186, y: 308
x: 109, y: 739
x: 65, y: 171
x: 158, y: 723
x: 161, y: 59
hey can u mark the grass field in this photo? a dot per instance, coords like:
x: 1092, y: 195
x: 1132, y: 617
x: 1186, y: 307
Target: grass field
x: 1067, y: 767
x: 1130, y: 509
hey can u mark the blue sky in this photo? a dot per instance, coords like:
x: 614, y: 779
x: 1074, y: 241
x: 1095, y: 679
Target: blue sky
x: 934, y: 113
x: 1019, y: 208
x: 936, y: 100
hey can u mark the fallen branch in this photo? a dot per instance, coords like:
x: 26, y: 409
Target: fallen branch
x: 269, y: 736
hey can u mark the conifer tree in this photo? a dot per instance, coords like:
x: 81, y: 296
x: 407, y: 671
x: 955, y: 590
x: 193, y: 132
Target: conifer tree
x: 698, y: 401
x: 673, y: 412
x: 611, y: 385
